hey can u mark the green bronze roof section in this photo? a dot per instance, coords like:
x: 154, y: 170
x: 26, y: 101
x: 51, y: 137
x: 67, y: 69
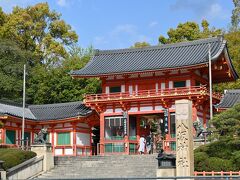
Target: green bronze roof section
x: 154, y: 58
x: 230, y: 98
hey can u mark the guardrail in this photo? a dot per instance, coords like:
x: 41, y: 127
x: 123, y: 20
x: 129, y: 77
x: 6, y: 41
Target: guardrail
x: 171, y: 92
x: 213, y: 173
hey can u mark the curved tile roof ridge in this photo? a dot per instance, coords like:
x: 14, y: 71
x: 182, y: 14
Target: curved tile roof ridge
x: 230, y: 98
x: 54, y: 104
x: 55, y: 111
x: 183, y: 54
x: 163, y: 46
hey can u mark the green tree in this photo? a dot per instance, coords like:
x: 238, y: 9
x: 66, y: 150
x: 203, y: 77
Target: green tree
x: 235, y: 18
x: 227, y: 123
x: 39, y: 30
x: 140, y: 45
x: 188, y: 31
x: 54, y: 85
x: 12, y: 59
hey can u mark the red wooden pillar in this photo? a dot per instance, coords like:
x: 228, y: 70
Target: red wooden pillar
x: 138, y: 128
x: 169, y: 125
x: 101, y: 133
x: 3, y: 136
x: 126, y: 139
x: 91, y: 148
x: 19, y: 135
x: 204, y: 117
x: 74, y: 140
x: 53, y: 140
x: 194, y: 112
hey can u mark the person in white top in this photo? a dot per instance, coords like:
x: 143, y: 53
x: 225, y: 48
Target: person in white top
x: 142, y: 143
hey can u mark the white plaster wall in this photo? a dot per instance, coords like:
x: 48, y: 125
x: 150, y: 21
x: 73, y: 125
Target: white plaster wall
x: 146, y: 108
x: 58, y: 152
x: 130, y: 88
x: 136, y: 88
x: 68, y: 151
x: 158, y: 108
x: 122, y: 88
x: 170, y: 84
x: 156, y: 87
x: 109, y: 111
x: 188, y: 83
x: 107, y: 90
x: 118, y: 110
x: 133, y: 109
x: 163, y: 86
x: 82, y: 139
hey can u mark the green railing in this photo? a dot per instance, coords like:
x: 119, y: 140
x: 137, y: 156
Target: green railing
x: 133, y: 138
x: 114, y: 138
x: 114, y: 147
x: 133, y: 148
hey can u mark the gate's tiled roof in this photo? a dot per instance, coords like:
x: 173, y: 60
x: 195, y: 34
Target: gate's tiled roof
x: 47, y: 111
x: 161, y: 57
x: 230, y: 98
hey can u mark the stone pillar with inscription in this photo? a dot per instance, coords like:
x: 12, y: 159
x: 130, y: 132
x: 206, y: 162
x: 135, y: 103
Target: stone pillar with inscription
x: 184, y: 138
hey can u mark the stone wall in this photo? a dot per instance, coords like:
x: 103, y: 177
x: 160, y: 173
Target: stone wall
x: 27, y: 169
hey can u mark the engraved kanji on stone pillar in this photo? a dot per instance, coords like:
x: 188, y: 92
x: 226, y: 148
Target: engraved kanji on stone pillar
x: 184, y: 138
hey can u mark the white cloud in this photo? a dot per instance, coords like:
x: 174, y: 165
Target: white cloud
x: 124, y: 28
x: 99, y: 40
x: 7, y: 5
x: 121, y: 36
x: 217, y: 11
x: 153, y: 24
x: 207, y: 9
x: 67, y: 3
x: 62, y: 3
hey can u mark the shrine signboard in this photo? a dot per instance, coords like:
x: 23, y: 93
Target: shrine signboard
x: 184, y: 138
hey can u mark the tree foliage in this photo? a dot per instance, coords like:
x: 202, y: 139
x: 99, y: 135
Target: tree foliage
x: 56, y: 85
x: 227, y: 123
x: 189, y: 31
x: 39, y: 30
x: 235, y: 18
x: 12, y: 59
x: 140, y: 45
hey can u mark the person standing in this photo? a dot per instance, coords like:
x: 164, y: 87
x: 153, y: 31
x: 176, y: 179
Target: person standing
x: 142, y: 143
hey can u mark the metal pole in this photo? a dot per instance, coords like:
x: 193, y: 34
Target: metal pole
x: 210, y: 80
x: 23, y: 115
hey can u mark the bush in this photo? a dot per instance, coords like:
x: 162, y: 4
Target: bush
x: 218, y: 164
x: 199, y: 161
x: 222, y: 155
x: 13, y: 157
x: 236, y: 160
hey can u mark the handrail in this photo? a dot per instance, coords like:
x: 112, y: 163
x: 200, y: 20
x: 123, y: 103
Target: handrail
x: 192, y: 90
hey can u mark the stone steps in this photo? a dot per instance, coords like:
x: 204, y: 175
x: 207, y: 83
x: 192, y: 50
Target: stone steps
x: 116, y: 166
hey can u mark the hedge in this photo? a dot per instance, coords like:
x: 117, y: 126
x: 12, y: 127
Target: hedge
x: 13, y: 157
x: 222, y: 155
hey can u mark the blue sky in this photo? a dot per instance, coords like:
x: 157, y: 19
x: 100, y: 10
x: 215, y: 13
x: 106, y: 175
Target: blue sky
x: 111, y: 24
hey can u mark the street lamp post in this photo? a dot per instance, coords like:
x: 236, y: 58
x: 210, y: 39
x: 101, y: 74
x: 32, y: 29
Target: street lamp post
x: 23, y: 113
